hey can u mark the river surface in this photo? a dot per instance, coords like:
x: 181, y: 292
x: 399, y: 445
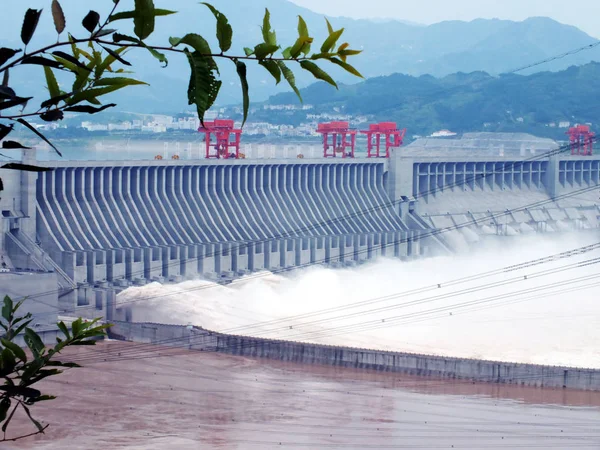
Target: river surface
x: 137, y: 396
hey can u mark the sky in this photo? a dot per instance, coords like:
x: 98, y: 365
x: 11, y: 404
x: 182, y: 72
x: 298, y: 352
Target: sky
x: 581, y: 13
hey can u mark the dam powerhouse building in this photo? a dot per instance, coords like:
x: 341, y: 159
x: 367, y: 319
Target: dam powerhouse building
x: 72, y: 237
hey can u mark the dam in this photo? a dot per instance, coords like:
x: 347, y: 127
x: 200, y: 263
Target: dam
x: 89, y: 229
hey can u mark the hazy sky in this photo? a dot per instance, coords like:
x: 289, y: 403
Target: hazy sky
x: 581, y: 13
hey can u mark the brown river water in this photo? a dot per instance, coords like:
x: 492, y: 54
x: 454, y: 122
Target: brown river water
x: 140, y: 397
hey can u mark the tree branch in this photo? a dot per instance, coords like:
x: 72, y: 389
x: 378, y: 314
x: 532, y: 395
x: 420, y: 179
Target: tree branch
x: 26, y: 435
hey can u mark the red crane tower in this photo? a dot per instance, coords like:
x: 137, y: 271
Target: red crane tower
x: 224, y: 147
x: 343, y: 139
x: 582, y: 140
x: 393, y: 138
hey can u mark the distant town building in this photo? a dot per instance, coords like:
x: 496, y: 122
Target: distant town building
x: 564, y: 124
x: 443, y: 133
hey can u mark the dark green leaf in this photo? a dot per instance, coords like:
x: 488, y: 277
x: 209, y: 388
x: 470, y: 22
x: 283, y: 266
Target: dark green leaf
x: 71, y: 59
x: 34, y: 342
x: 42, y: 398
x: 8, y: 362
x: 89, y: 109
x: 269, y: 36
x: 158, y: 55
x: 195, y: 41
x: 91, y: 95
x: 4, y: 407
x: 7, y: 93
x: 61, y: 325
x: 241, y: 71
x: 30, y: 22
x: 289, y: 77
x: 51, y: 82
x: 54, y: 100
x: 8, y: 419
x: 18, y: 351
x: 1, y: 185
x: 90, y: 21
x: 23, y: 391
x: 331, y: 41
x: 12, y: 145
x: 6, y: 54
x: 143, y: 20
x: 115, y: 56
x: 58, y: 16
x: 5, y: 130
x: 62, y: 364
x: 76, y: 327
x: 52, y: 116
x: 317, y: 72
x: 346, y: 67
x: 5, y: 79
x: 118, y: 37
x: 224, y: 30
x: 15, y: 101
x: 204, y: 86
x: 263, y: 50
x: 35, y: 422
x: 41, y: 61
x: 7, y: 308
x: 273, y: 69
x: 40, y: 135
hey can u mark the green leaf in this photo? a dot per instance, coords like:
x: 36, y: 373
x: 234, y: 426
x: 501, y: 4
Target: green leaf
x: 30, y: 23
x: 131, y: 14
x: 204, y: 87
x: 34, y: 342
x: 224, y: 30
x: 197, y: 42
x: 120, y: 81
x: 52, y: 115
x: 4, y: 407
x: 115, y: 55
x: 5, y: 130
x: 287, y: 53
x: 118, y: 37
x: 346, y: 67
x: 58, y: 16
x: 143, y: 20
x: 300, y: 46
x: 8, y: 362
x: 329, y: 27
x: 42, y: 398
x: 76, y: 327
x: 18, y: 351
x: 241, y: 71
x: 248, y: 51
x: 8, y: 419
x: 302, y: 27
x: 317, y: 72
x: 273, y: 69
x: 331, y: 40
x: 90, y: 21
x: 16, y: 101
x: 90, y: 95
x: 53, y: 88
x: 269, y: 36
x: 41, y: 61
x: 7, y: 309
x: 71, y: 59
x: 104, y: 32
x: 263, y: 50
x: 159, y: 56
x: 289, y: 77
x: 345, y: 53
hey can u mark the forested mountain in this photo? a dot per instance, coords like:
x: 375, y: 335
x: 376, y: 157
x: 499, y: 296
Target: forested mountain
x: 464, y: 102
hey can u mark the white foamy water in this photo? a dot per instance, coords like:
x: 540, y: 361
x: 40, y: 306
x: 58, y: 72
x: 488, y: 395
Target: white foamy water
x: 545, y: 319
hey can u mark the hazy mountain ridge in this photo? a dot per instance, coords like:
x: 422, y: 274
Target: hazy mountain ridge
x: 494, y: 46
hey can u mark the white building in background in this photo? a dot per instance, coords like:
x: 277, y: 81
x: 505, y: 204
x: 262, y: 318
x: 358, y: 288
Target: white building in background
x: 123, y: 126
x: 443, y: 133
x: 94, y: 126
x: 564, y: 124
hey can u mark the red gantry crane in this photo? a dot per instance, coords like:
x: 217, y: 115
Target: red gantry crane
x: 224, y: 147
x: 393, y: 138
x: 342, y: 142
x: 582, y: 140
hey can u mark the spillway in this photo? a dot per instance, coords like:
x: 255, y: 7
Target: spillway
x: 100, y: 227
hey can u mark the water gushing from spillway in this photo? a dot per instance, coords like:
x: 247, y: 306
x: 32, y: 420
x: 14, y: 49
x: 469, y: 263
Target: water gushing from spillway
x: 545, y: 313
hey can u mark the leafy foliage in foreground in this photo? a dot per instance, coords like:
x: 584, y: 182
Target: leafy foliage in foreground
x: 21, y: 371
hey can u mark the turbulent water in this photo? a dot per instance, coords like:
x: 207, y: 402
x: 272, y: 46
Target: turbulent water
x: 546, y: 313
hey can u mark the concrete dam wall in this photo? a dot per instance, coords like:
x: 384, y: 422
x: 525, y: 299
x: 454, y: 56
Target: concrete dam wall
x: 198, y: 339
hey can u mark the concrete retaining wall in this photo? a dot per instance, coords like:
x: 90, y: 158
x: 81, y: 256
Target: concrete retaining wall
x: 196, y: 338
